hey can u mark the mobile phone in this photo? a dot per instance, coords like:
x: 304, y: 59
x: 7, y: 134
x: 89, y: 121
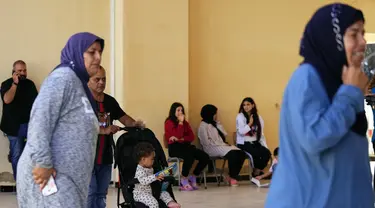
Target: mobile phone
x: 50, y: 187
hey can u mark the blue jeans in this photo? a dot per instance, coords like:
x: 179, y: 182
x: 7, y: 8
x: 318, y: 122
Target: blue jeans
x: 101, y: 177
x: 16, y: 145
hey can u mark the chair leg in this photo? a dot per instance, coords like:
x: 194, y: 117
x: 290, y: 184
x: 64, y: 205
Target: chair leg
x: 222, y: 170
x: 179, y: 174
x: 215, y: 172
x: 205, y: 179
x: 118, y: 194
x: 201, y: 178
x: 250, y: 169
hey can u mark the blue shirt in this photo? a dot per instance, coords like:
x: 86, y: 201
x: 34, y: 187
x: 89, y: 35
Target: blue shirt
x: 322, y: 164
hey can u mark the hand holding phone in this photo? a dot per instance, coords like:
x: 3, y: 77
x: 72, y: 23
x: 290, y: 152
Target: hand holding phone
x: 15, y: 77
x: 50, y: 187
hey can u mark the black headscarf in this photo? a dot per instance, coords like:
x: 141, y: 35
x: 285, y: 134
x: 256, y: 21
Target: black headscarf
x: 323, y: 47
x: 207, y: 113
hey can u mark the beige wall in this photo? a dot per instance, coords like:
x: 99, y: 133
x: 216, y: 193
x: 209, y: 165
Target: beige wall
x: 245, y: 48
x: 156, y: 52
x: 36, y: 31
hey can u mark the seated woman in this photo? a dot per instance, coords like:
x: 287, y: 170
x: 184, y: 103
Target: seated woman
x: 179, y: 135
x: 250, y: 135
x: 212, y: 137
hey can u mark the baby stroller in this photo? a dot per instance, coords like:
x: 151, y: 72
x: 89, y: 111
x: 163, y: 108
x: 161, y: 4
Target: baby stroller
x: 124, y: 159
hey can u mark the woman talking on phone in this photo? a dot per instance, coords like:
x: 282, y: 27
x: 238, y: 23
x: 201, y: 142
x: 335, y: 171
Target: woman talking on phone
x: 324, y: 160
x: 250, y: 137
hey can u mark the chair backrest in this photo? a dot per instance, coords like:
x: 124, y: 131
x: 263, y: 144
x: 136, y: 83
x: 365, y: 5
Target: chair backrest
x: 200, y: 146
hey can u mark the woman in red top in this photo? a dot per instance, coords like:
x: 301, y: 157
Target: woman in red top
x: 179, y: 135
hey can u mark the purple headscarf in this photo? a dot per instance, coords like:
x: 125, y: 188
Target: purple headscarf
x: 323, y: 47
x: 72, y: 57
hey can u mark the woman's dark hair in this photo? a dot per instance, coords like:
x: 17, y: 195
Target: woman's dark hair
x: 254, y: 112
x: 207, y: 113
x: 276, y: 152
x: 143, y: 149
x: 172, y: 112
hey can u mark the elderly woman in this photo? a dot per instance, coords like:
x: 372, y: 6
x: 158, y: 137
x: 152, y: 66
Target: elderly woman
x: 63, y: 130
x: 324, y: 159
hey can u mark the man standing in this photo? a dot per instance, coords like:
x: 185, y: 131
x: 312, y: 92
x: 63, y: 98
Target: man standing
x: 18, y: 94
x: 108, y: 111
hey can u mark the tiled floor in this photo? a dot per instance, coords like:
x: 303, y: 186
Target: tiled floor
x: 242, y: 196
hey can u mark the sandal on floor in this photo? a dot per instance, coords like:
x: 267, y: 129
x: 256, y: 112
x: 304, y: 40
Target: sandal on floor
x: 231, y: 181
x: 193, y: 182
x: 185, y: 186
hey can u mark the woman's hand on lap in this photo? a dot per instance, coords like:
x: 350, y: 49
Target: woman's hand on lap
x: 173, y: 139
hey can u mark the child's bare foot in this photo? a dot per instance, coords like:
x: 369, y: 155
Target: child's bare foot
x: 173, y: 204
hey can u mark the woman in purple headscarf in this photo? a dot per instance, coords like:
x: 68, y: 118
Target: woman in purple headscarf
x: 63, y: 130
x: 323, y: 160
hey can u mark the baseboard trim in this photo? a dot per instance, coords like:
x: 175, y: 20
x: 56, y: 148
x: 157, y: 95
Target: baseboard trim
x: 8, y: 188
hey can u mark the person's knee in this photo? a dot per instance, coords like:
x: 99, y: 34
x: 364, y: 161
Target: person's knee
x: 240, y: 155
x: 102, y: 194
x: 206, y: 157
x: 243, y: 154
x: 92, y: 191
x: 201, y: 156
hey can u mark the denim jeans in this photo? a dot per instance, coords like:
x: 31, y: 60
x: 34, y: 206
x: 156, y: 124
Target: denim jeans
x: 16, y: 145
x: 101, y: 177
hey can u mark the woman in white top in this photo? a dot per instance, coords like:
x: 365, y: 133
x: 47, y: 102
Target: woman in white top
x: 212, y: 138
x: 250, y: 135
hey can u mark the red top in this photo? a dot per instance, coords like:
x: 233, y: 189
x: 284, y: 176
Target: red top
x: 180, y: 131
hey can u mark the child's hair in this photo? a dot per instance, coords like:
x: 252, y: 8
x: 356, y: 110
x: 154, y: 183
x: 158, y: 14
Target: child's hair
x: 143, y: 149
x: 276, y: 151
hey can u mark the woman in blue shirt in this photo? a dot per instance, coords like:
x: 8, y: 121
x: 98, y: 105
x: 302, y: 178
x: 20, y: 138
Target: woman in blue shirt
x: 324, y: 159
